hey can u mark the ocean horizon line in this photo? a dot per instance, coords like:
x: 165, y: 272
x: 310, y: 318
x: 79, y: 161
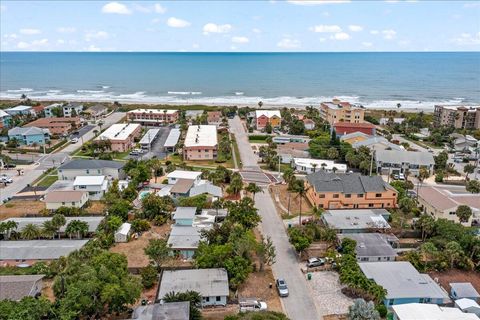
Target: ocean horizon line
x: 240, y: 52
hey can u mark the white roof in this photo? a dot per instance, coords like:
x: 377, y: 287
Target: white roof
x: 426, y: 311
x: 267, y: 113
x: 172, y: 138
x: 201, y: 136
x: 119, y: 131
x: 124, y: 228
x: 3, y: 114
x: 181, y: 174
x: 89, y: 180
x: 328, y: 164
x: 20, y: 108
x: 465, y: 303
x: 149, y: 136
x: 162, y: 111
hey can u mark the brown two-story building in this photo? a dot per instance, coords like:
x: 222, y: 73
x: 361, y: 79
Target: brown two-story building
x: 56, y: 125
x: 349, y: 191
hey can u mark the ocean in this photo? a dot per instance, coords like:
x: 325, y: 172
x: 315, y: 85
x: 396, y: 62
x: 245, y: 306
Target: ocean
x: 416, y: 80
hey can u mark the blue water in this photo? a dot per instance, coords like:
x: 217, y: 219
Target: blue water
x: 417, y: 80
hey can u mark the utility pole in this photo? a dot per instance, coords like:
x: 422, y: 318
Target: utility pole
x: 371, y: 161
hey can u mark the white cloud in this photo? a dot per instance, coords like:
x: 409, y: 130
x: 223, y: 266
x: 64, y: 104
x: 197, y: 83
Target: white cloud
x: 159, y: 9
x: 340, y: 36
x: 256, y: 30
x: 117, y: 8
x: 141, y: 8
x: 374, y: 32
x: 216, y: 28
x: 32, y: 45
x: 389, y: 34
x: 467, y: 39
x: 40, y: 42
x: 177, y: 23
x: 355, y: 28
x: 23, y: 45
x: 288, y: 43
x: 315, y: 2
x: 326, y: 28
x: 29, y: 31
x: 240, y: 39
x: 98, y: 35
x: 367, y: 44
x: 93, y: 48
x: 66, y: 29
x: 10, y: 36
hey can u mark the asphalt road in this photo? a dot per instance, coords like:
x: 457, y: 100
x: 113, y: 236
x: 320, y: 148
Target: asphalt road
x: 299, y: 305
x: 156, y: 149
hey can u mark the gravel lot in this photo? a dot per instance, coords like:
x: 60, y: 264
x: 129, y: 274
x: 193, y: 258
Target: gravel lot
x: 326, y: 292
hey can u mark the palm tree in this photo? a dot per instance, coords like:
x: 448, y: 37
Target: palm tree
x: 30, y: 232
x: 301, y: 191
x: 9, y: 226
x: 156, y: 165
x: 314, y: 166
x: 49, y: 229
x: 58, y: 221
x: 253, y: 189
x: 260, y: 104
x: 80, y: 228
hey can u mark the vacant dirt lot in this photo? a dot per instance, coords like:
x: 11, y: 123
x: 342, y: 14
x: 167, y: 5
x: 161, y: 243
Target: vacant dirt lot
x: 445, y: 277
x: 134, y: 248
x: 20, y: 208
x: 257, y: 286
x: 95, y: 207
x: 280, y: 192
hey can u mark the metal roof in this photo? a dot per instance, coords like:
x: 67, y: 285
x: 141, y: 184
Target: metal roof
x: 172, y: 138
x: 372, y: 244
x: 412, y: 157
x: 464, y: 290
x: 91, y: 164
x: 38, y: 249
x: 89, y: 180
x: 402, y: 280
x: 16, y: 287
x: 124, y: 228
x: 92, y: 222
x: 150, y: 136
x: 354, y: 219
x: 207, y: 282
x: 184, y: 237
x: 182, y: 174
x: 184, y: 213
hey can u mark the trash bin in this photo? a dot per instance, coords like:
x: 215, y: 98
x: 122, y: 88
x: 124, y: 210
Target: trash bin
x: 289, y: 225
x: 309, y: 276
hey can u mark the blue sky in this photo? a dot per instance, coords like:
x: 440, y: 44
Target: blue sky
x: 320, y: 25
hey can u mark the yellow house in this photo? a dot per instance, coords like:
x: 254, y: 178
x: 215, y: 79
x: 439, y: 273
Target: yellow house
x: 354, y: 137
x: 262, y: 117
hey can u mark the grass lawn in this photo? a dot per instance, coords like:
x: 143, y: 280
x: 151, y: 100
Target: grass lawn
x: 237, y: 152
x: 256, y: 141
x: 47, y: 181
x: 120, y: 155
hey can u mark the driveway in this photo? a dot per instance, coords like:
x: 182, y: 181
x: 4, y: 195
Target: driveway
x: 299, y: 305
x: 156, y: 150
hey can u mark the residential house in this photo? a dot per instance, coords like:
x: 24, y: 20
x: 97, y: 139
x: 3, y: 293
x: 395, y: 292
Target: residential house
x: 71, y: 199
x: 84, y: 167
x: 386, y: 121
x: 442, y: 202
x: 29, y: 135
x: 28, y: 252
x: 49, y: 110
x: 5, y: 120
x: 354, y: 137
x: 15, y: 288
x: 308, y: 166
x: 337, y: 111
x: 176, y: 175
x: 214, y: 117
x: 459, y: 117
x: 163, y: 311
x: 465, y: 143
x: 288, y: 151
x: 184, y: 240
x: 97, y: 110
x: 309, y: 124
x: 284, y: 139
x: 343, y: 128
x: 149, y: 117
x: 404, y: 284
x: 389, y: 162
x: 349, y: 190
x: 96, y: 186
x: 38, y: 109
x: 21, y: 111
x: 262, y: 117
x: 170, y: 144
x: 356, y: 221
x: 182, y: 188
x: 468, y: 307
x: 183, y: 216
x: 463, y: 290
x: 212, y: 284
x: 121, y: 135
x: 373, y: 247
x: 56, y: 126
x: 200, y: 143
x: 123, y: 232
x: 72, y: 109
x: 205, y: 187
x: 377, y: 143
x: 422, y: 311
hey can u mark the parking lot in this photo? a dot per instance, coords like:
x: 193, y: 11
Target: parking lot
x: 156, y: 150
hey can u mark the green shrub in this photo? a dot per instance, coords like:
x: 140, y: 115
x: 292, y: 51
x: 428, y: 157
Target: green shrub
x: 382, y: 310
x: 149, y: 276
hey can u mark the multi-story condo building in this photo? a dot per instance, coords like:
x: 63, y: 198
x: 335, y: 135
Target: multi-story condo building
x: 200, y: 143
x: 337, y: 111
x: 61, y: 126
x: 459, y: 117
x: 152, y: 116
x: 349, y: 191
x: 396, y: 162
x: 121, y: 135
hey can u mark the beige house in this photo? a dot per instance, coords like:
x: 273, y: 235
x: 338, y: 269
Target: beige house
x: 70, y: 199
x: 337, y: 111
x: 200, y: 143
x: 459, y: 117
x: 121, y: 135
x: 442, y: 202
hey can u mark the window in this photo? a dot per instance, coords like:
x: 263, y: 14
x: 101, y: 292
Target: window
x: 219, y: 298
x: 87, y: 171
x: 73, y: 203
x: 320, y: 205
x: 379, y: 259
x: 370, y: 205
x: 207, y: 299
x: 364, y: 259
x: 360, y: 195
x: 378, y: 195
x: 321, y: 196
x: 335, y: 196
x: 348, y: 195
x: 63, y: 203
x: 390, y: 302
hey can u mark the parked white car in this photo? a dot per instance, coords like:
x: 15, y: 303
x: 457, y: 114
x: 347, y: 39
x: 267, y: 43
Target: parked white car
x: 252, y: 305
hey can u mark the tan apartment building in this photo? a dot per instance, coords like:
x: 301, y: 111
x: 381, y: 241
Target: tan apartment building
x: 337, y: 111
x: 459, y: 117
x: 122, y: 136
x: 56, y: 125
x: 152, y: 117
x: 349, y: 191
x: 214, y: 117
x: 200, y: 143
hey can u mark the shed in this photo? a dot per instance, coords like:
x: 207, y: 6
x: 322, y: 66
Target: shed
x: 468, y: 306
x: 459, y: 290
x: 123, y: 233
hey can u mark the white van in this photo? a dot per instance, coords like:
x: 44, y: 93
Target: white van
x: 252, y: 305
